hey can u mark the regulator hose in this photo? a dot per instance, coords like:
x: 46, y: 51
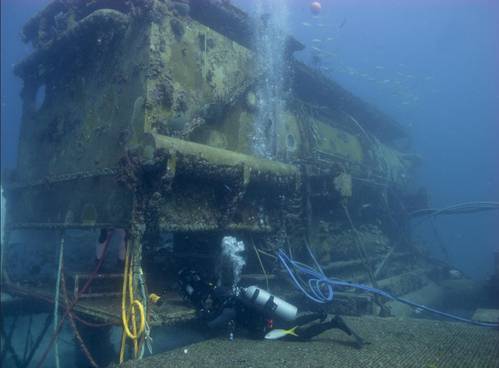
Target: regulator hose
x: 457, y: 209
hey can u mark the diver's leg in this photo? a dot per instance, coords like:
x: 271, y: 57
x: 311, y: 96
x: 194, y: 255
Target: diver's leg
x: 312, y: 330
x: 340, y: 323
x: 307, y: 332
x: 309, y: 317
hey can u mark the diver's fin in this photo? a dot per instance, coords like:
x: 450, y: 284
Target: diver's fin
x: 341, y: 324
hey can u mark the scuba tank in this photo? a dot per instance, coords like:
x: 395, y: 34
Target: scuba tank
x: 254, y: 297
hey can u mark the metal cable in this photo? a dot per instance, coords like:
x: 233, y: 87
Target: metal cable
x: 78, y: 337
x: 261, y: 266
x: 71, y: 307
x: 320, y: 289
x: 56, y: 298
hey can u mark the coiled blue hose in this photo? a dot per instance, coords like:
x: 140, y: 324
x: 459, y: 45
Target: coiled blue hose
x: 321, y: 288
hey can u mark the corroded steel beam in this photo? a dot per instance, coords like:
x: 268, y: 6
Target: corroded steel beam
x: 201, y: 160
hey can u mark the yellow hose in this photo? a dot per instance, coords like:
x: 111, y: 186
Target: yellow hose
x: 134, y: 334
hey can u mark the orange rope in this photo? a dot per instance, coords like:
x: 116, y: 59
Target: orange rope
x: 70, y: 308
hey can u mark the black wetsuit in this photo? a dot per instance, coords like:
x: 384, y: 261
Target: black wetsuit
x: 311, y: 325
x: 218, y: 308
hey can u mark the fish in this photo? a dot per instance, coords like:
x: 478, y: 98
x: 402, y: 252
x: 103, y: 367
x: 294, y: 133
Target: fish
x: 279, y: 333
x: 328, y: 53
x: 155, y: 299
x: 265, y: 18
x: 455, y: 274
x: 316, y: 40
x: 306, y: 24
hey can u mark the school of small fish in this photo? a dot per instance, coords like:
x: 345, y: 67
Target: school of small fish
x: 328, y: 61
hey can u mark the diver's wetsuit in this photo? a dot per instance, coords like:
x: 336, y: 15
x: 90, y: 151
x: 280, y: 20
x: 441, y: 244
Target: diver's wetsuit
x: 307, y: 329
x: 219, y: 308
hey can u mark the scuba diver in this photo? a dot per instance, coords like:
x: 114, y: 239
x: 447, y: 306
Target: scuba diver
x: 255, y: 310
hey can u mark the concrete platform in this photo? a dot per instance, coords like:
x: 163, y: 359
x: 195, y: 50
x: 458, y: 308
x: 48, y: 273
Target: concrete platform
x: 394, y: 342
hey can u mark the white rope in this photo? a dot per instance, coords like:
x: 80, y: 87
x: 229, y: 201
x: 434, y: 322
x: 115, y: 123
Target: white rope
x: 56, y: 300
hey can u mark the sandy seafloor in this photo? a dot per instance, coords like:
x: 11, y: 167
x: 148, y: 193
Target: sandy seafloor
x: 393, y: 342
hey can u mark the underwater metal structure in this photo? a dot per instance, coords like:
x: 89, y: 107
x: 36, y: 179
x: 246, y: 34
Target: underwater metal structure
x: 146, y: 124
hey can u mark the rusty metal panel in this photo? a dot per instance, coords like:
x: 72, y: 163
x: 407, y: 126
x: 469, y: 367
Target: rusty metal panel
x: 96, y: 201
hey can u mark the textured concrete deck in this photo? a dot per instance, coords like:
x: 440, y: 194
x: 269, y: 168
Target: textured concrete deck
x: 393, y: 343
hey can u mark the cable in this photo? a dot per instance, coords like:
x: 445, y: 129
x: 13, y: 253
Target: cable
x: 457, y: 209
x: 56, y: 298
x: 261, y: 266
x: 48, y: 300
x: 460, y: 208
x: 383, y: 262
x: 134, y: 334
x: 320, y: 289
x: 146, y: 339
x: 71, y: 307
x: 71, y: 319
x: 266, y: 254
x: 360, y: 247
x: 363, y: 254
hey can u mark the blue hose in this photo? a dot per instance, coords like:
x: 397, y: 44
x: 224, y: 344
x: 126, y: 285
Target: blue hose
x: 320, y: 288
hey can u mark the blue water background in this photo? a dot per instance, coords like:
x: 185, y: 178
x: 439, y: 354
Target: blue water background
x: 449, y: 105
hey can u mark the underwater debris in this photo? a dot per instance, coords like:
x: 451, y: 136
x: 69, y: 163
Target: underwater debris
x: 181, y: 103
x: 213, y: 112
x: 178, y: 28
x: 251, y: 101
x: 315, y: 7
x: 343, y: 185
x: 175, y: 126
x: 164, y: 94
x: 180, y: 8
